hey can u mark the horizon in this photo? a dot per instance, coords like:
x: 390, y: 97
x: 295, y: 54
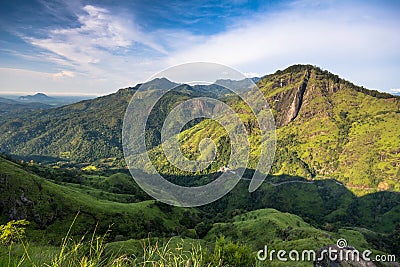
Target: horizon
x: 394, y: 92
x: 11, y: 93
x: 94, y: 48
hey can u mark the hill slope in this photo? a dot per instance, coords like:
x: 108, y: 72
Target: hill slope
x: 330, y: 127
x: 326, y: 128
x: 51, y: 208
x: 89, y: 130
x: 102, y: 201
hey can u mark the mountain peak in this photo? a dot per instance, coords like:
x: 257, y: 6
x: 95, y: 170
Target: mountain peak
x: 321, y: 74
x: 40, y: 95
x: 158, y: 83
x: 296, y: 68
x: 35, y: 98
x: 306, y: 91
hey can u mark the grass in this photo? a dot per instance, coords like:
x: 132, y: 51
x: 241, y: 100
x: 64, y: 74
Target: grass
x: 93, y: 251
x: 244, y: 236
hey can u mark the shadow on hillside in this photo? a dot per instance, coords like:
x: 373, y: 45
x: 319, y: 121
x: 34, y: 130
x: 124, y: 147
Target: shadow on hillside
x: 35, y: 158
x: 319, y: 202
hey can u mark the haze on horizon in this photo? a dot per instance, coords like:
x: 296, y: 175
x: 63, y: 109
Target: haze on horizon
x: 95, y: 47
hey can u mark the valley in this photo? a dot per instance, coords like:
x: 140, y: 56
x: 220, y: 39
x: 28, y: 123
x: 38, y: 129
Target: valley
x: 335, y: 174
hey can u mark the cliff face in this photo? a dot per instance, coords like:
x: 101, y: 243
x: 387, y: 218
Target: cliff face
x: 290, y: 94
x: 289, y: 102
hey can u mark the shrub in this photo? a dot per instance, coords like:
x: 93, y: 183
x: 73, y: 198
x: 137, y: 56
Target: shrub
x: 227, y: 253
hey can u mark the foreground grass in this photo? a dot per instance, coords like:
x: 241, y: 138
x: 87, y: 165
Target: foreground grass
x: 94, y: 252
x: 212, y: 251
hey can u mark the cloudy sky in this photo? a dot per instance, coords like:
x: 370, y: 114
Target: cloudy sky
x: 95, y: 47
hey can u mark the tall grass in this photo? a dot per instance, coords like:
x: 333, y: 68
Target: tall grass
x: 92, y: 251
x: 169, y: 255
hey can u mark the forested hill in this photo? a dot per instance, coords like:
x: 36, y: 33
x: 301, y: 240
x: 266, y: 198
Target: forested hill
x: 332, y: 128
x: 327, y: 127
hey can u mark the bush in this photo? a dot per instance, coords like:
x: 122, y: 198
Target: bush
x: 227, y: 253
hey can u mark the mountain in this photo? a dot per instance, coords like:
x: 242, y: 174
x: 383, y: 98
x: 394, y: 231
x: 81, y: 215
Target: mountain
x: 83, y: 131
x: 38, y: 97
x: 255, y: 79
x: 7, y: 100
x: 239, y: 86
x: 54, y: 101
x: 326, y: 128
x: 158, y: 83
x: 9, y: 107
x: 86, y: 131
x: 330, y: 127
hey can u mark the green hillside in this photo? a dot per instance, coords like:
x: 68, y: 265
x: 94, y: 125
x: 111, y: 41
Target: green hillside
x: 325, y: 211
x: 116, y: 199
x: 51, y: 207
x: 339, y: 130
x: 88, y: 131
x: 234, y: 243
x: 326, y: 128
x: 252, y: 231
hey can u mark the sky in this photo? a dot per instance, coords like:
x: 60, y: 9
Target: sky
x: 77, y: 47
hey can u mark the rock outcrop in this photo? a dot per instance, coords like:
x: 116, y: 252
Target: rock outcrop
x: 289, y: 102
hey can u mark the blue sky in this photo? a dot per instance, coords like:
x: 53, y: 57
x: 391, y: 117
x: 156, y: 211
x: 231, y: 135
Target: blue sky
x: 95, y: 47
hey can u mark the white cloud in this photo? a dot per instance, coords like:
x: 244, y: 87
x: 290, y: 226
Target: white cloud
x: 252, y: 74
x: 350, y: 40
x: 108, y: 50
x: 63, y: 74
x: 92, y: 47
x: 99, y: 54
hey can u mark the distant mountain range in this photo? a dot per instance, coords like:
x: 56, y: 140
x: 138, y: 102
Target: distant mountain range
x: 326, y: 127
x: 54, y: 101
x: 12, y: 105
x: 9, y: 107
x: 7, y: 101
x: 39, y: 97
